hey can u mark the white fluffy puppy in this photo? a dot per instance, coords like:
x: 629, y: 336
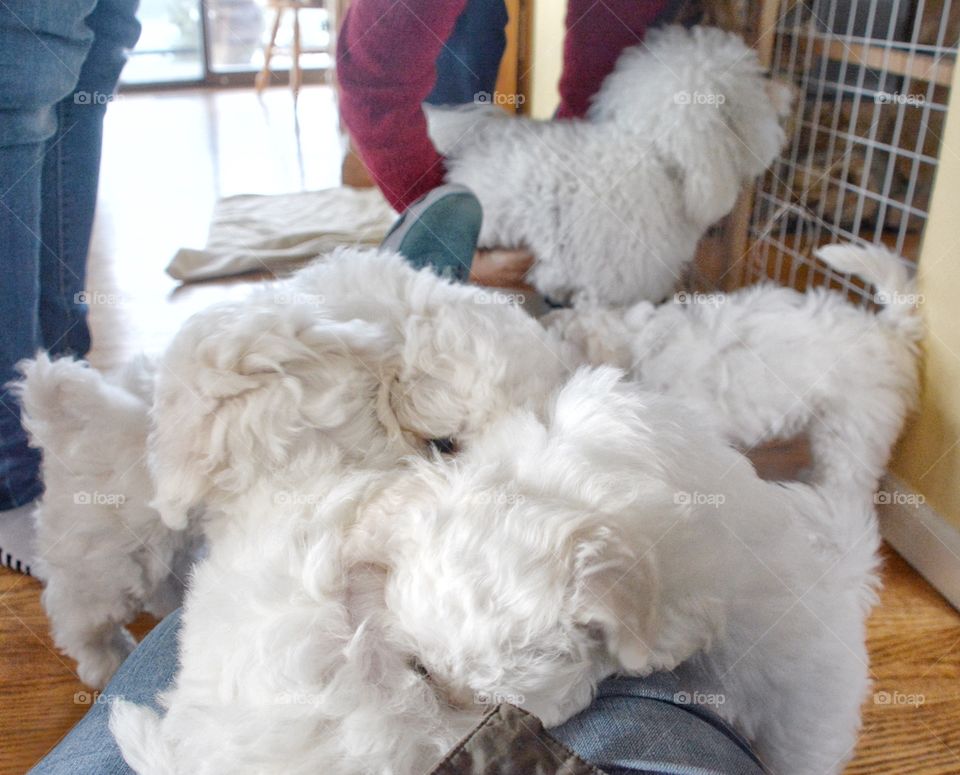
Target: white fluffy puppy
x: 613, y: 206
x: 102, y: 551
x: 358, y: 355
x: 279, y: 414
x: 604, y: 532
x: 767, y: 362
x: 286, y: 662
x: 618, y: 533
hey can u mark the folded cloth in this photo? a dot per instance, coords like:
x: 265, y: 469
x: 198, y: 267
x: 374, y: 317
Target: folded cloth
x: 251, y: 233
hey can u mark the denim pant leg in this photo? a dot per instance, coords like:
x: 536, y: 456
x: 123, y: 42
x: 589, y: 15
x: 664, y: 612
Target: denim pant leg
x: 71, y: 174
x: 47, y: 156
x: 634, y: 725
x: 44, y: 46
x: 653, y: 726
x: 89, y: 748
x: 470, y: 59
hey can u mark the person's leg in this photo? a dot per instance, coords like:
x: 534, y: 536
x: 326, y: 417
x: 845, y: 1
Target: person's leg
x: 596, y: 34
x: 89, y: 748
x: 470, y: 59
x: 44, y: 46
x: 71, y: 173
x: 57, y: 56
x: 656, y: 724
x: 648, y: 725
x: 439, y: 230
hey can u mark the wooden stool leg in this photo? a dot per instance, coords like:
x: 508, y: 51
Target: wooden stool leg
x: 334, y: 9
x: 263, y: 77
x: 295, y: 74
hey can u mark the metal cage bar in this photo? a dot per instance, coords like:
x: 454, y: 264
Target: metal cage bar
x: 873, y: 83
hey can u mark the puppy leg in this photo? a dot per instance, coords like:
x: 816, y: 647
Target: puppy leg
x: 88, y: 627
x: 858, y: 421
x: 165, y: 597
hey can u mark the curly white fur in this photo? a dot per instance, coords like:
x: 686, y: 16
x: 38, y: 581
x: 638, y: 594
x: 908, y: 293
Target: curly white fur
x: 612, y: 206
x: 359, y: 349
x: 767, y: 362
x: 359, y: 353
x: 102, y: 550
x: 360, y: 589
x: 352, y: 633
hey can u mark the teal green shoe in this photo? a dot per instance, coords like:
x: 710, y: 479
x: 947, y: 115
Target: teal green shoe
x: 439, y: 230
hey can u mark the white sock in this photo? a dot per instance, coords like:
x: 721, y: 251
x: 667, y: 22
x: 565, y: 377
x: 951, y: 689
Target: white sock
x: 17, y: 534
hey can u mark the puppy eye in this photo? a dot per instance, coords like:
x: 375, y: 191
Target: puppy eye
x: 444, y: 446
x: 418, y: 668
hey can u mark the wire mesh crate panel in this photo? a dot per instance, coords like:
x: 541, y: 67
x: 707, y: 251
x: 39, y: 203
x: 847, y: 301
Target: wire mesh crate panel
x: 872, y: 80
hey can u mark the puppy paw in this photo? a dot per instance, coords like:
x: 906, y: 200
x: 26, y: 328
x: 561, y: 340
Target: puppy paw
x: 96, y: 665
x: 137, y: 731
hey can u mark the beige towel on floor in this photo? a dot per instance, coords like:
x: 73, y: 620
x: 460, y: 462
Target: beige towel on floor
x: 252, y: 233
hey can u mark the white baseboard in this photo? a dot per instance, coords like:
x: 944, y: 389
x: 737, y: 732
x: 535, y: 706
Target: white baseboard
x: 921, y: 536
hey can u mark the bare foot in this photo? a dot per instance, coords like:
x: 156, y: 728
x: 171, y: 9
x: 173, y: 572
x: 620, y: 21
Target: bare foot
x: 501, y: 268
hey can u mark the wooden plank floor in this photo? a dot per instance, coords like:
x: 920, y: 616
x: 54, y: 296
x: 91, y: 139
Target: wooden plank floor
x: 205, y: 145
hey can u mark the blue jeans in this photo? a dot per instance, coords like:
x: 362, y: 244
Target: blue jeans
x: 90, y: 749
x: 635, y: 725
x: 470, y: 60
x: 59, y: 65
x: 649, y: 725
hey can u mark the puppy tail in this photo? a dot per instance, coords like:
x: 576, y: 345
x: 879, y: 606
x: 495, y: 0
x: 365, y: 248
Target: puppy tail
x: 138, y: 734
x: 48, y: 393
x: 64, y: 398
x: 888, y: 273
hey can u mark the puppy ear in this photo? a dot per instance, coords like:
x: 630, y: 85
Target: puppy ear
x: 711, y: 178
x: 238, y: 386
x: 449, y: 371
x: 631, y: 442
x: 616, y: 596
x: 722, y: 138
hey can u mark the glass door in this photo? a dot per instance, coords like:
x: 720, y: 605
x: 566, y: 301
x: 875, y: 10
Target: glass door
x: 170, y: 49
x: 222, y: 42
x: 238, y: 31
